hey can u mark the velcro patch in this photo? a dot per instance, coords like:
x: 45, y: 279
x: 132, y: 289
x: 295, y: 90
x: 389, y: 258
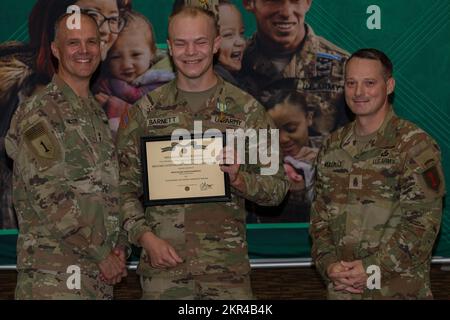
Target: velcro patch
x: 163, y: 121
x: 124, y: 119
x: 432, y: 178
x: 227, y: 120
x: 42, y: 142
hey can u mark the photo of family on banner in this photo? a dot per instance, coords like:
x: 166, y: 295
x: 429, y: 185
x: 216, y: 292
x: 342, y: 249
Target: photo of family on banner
x: 288, y: 55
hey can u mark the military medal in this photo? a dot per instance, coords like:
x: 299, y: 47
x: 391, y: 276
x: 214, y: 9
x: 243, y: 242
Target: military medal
x: 222, y: 108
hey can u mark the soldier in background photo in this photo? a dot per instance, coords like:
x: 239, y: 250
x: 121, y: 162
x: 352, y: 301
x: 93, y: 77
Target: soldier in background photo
x: 65, y: 178
x: 379, y: 192
x: 194, y: 251
x: 285, y: 54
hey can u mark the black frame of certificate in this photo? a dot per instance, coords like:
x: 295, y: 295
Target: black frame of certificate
x: 147, y: 202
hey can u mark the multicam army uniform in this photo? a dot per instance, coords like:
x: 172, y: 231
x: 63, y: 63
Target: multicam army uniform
x: 209, y: 237
x: 381, y: 205
x: 317, y: 69
x: 65, y: 193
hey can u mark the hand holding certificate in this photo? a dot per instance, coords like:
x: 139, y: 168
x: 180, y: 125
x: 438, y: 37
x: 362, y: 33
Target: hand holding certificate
x: 186, y: 171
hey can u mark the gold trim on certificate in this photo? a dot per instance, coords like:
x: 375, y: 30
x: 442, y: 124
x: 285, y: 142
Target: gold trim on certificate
x: 183, y: 172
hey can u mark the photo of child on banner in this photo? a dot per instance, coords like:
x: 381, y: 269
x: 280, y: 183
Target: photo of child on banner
x: 127, y: 74
x: 26, y: 68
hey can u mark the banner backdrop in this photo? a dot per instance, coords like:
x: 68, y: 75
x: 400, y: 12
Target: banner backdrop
x: 414, y: 34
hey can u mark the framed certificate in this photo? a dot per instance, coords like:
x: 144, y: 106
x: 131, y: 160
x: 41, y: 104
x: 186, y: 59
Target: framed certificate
x: 185, y: 171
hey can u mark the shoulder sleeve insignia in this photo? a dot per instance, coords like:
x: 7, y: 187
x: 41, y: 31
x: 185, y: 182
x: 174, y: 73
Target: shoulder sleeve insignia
x: 432, y: 178
x: 42, y: 142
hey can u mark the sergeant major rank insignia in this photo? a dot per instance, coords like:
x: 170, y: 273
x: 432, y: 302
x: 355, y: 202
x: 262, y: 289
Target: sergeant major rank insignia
x: 355, y: 181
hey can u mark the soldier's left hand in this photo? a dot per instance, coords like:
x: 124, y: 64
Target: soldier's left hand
x: 230, y: 165
x: 352, y: 280
x: 296, y: 179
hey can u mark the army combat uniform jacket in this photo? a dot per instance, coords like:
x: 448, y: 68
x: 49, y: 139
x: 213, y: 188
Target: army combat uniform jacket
x: 209, y: 237
x: 65, y: 181
x: 316, y: 69
x: 381, y: 205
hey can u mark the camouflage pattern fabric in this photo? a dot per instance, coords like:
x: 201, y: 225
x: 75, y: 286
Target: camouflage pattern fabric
x: 207, y: 287
x: 209, y: 237
x: 316, y: 69
x: 382, y: 205
x: 52, y: 285
x: 65, y: 181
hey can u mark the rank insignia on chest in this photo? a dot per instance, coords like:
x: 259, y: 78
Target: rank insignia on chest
x: 355, y: 182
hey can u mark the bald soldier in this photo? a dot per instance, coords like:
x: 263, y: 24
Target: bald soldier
x: 66, y: 179
x: 194, y: 251
x: 379, y: 194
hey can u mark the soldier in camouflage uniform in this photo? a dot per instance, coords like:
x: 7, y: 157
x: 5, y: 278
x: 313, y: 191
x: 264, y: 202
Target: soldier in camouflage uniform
x: 193, y: 251
x: 66, y: 190
x: 285, y: 54
x: 379, y: 192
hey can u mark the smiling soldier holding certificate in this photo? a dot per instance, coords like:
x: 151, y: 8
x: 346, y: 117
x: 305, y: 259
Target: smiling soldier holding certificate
x: 193, y: 250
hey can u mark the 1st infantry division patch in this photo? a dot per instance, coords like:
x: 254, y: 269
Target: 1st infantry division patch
x: 42, y: 142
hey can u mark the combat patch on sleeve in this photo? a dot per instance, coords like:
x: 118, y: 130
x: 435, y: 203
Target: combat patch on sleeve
x: 124, y: 119
x: 43, y: 144
x: 432, y: 178
x: 429, y: 170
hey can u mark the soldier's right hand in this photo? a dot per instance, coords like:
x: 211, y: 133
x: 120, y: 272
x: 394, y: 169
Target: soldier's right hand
x: 162, y: 254
x: 340, y: 283
x: 112, y: 269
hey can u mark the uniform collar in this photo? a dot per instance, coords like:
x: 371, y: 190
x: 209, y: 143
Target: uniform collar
x: 262, y: 62
x: 384, y: 137
x: 62, y: 86
x: 171, y: 93
x: 68, y: 92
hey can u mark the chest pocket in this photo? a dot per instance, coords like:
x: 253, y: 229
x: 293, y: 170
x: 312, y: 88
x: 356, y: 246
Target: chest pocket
x: 223, y: 121
x: 381, y: 174
x: 80, y: 152
x: 164, y: 123
x: 335, y: 172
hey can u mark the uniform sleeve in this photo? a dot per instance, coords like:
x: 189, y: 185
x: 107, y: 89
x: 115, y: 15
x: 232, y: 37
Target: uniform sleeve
x: 323, y: 248
x: 47, y: 191
x: 128, y: 144
x: 421, y: 191
x: 263, y: 189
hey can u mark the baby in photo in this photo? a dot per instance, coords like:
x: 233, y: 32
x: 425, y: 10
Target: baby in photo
x: 128, y: 76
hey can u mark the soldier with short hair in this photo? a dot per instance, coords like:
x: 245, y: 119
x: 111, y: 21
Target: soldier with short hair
x: 379, y: 192
x: 66, y: 179
x: 285, y: 54
x: 194, y: 251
